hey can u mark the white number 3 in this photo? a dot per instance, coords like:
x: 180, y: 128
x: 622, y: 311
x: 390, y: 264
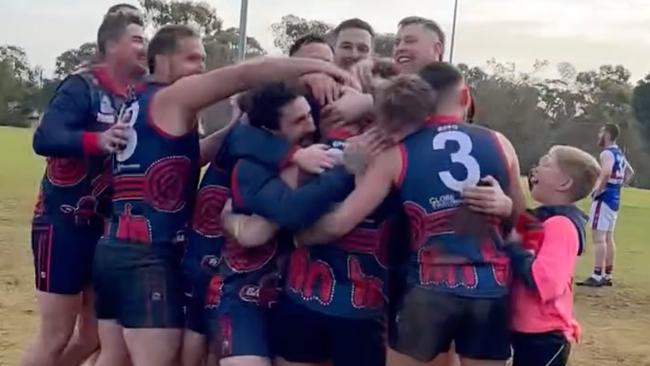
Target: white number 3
x: 462, y: 156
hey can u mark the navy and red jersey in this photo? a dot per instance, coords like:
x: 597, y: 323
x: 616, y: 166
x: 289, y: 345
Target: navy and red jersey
x: 76, y: 182
x: 235, y: 273
x: 255, y: 273
x: 154, y: 178
x: 346, y: 278
x: 209, y: 250
x: 451, y: 248
x: 243, y: 141
x: 205, y: 236
x: 258, y: 189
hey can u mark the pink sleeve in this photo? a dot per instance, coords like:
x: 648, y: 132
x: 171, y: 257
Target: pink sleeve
x: 555, y: 262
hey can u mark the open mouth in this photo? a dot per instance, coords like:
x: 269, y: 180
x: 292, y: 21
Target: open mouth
x: 403, y: 59
x: 532, y: 180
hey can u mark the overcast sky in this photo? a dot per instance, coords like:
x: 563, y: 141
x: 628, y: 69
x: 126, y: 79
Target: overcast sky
x: 586, y: 33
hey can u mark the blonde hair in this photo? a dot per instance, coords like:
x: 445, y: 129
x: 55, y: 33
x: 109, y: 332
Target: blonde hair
x: 581, y: 167
x: 403, y: 100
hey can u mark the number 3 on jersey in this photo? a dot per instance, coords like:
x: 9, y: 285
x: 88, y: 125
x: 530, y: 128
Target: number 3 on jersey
x: 462, y: 156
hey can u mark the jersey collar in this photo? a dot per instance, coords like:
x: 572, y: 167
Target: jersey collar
x: 100, y: 71
x: 443, y: 119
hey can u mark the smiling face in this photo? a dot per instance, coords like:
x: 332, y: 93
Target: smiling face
x: 128, y: 51
x: 547, y: 179
x: 296, y: 122
x: 565, y: 175
x: 352, y: 45
x: 415, y: 47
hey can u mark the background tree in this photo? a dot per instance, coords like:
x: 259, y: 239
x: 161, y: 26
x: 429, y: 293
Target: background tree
x: 221, y: 45
x: 533, y: 110
x: 384, y: 43
x: 72, y: 59
x: 16, y: 58
x: 19, y: 86
x: 199, y: 14
x: 291, y: 27
x: 641, y: 104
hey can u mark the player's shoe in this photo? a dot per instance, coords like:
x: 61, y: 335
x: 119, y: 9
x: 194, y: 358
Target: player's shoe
x: 591, y: 282
x: 607, y: 281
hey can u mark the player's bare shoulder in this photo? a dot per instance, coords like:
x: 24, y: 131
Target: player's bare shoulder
x: 508, y: 148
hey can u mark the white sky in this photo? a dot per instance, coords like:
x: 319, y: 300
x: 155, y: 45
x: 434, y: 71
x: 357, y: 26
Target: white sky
x: 586, y: 33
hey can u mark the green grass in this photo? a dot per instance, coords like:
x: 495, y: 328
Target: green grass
x: 614, y: 321
x: 20, y: 170
x: 632, y: 235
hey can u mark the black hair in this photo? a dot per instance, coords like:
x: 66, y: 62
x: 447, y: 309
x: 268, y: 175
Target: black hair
x: 122, y: 7
x: 308, y: 39
x: 441, y: 76
x: 266, y: 101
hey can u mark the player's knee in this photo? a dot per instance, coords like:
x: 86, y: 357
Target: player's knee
x: 86, y: 343
x: 599, y: 237
x: 53, y: 344
x: 599, y: 242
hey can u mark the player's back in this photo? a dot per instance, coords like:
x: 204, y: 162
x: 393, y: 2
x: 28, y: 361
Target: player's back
x: 612, y: 193
x: 452, y: 249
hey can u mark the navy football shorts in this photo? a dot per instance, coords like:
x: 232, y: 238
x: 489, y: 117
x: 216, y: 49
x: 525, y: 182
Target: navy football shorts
x: 239, y: 328
x: 139, y: 285
x: 63, y: 255
x: 306, y: 336
x: 426, y: 323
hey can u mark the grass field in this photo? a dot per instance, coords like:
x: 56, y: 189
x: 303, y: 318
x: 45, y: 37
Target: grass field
x: 615, y: 321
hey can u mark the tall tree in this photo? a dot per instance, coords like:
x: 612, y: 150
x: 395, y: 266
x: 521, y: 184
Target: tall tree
x: 222, y: 48
x: 291, y: 27
x: 16, y: 57
x: 608, y: 95
x: 199, y: 14
x: 641, y: 104
x: 18, y: 86
x: 221, y: 45
x: 72, y: 59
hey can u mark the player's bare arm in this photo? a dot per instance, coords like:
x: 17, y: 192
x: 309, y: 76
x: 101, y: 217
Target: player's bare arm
x: 211, y: 144
x: 628, y: 174
x: 249, y: 231
x: 371, y: 190
x: 174, y: 107
x: 254, y: 230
